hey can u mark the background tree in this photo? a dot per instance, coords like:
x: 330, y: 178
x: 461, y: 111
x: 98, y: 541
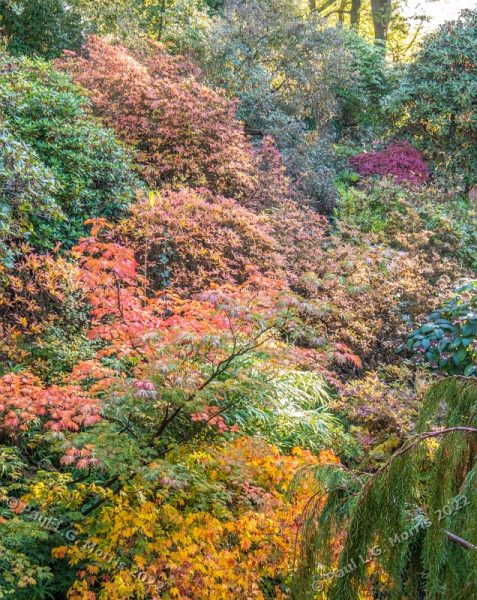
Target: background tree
x: 74, y: 167
x: 285, y: 66
x: 355, y: 13
x: 40, y: 27
x: 361, y: 96
x: 435, y: 101
x: 182, y: 26
x: 381, y: 11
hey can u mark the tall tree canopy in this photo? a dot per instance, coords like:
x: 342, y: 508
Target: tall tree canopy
x: 435, y: 101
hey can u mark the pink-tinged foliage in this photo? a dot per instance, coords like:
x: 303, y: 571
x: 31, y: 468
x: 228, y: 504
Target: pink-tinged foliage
x: 400, y: 160
x: 25, y: 402
x: 182, y: 130
x: 211, y: 416
x: 207, y: 240
x: 81, y: 458
x: 273, y: 188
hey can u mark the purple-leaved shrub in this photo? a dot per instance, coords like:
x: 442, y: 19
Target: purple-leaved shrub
x: 399, y: 159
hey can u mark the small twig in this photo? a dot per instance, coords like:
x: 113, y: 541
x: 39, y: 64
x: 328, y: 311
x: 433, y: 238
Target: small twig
x: 460, y: 541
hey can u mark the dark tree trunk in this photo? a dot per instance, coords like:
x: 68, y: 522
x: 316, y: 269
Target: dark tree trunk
x: 381, y: 10
x: 341, y: 11
x: 355, y: 13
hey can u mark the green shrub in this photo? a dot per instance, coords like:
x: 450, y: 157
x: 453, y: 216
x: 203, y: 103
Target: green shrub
x: 58, y: 165
x: 448, y: 340
x: 40, y: 27
x: 27, y: 187
x: 181, y: 25
x: 404, y: 218
x: 437, y: 97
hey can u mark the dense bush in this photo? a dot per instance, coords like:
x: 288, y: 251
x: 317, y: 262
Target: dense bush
x: 399, y: 160
x: 219, y: 527
x: 190, y: 239
x: 430, y: 219
x: 60, y: 166
x: 382, y: 406
x: 40, y: 27
x: 368, y: 297
x: 297, y: 228
x: 300, y: 232
x: 183, y: 26
x: 184, y: 133
x: 447, y: 341
x: 27, y: 189
x: 435, y: 101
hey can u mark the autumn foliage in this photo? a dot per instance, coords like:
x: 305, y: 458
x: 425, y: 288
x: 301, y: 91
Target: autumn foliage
x: 191, y: 240
x: 34, y: 295
x: 25, y: 402
x: 120, y: 310
x: 399, y: 160
x: 199, y: 545
x: 183, y: 132
x: 174, y: 383
x: 364, y: 296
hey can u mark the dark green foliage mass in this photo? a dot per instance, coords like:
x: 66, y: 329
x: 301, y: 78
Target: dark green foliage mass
x: 27, y: 187
x: 362, y: 95
x: 40, y: 27
x: 59, y: 166
x: 438, y: 95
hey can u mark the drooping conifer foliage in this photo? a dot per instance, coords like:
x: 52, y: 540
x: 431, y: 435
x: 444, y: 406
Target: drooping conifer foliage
x: 410, y: 531
x: 237, y: 304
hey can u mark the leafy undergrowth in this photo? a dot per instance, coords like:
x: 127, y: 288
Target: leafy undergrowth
x: 207, y: 387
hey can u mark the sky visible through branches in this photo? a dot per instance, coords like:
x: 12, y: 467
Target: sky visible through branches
x: 438, y: 11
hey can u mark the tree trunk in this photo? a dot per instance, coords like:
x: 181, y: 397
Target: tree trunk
x: 312, y: 5
x: 161, y: 20
x: 355, y: 13
x: 381, y: 10
x: 341, y: 11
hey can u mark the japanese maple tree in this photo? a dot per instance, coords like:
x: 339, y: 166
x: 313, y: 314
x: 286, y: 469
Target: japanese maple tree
x: 182, y: 130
